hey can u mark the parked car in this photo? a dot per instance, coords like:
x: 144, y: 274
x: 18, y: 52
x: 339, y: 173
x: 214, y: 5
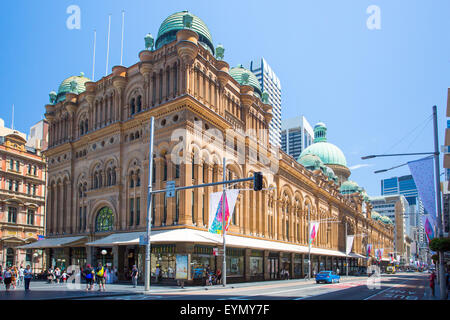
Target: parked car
x: 327, y: 277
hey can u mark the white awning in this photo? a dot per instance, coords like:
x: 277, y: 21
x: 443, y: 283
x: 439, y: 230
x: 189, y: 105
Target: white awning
x: 166, y: 236
x: 51, y: 243
x: 203, y: 237
x: 385, y: 259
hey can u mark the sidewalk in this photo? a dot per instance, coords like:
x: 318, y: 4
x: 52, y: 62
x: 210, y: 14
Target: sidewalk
x: 41, y: 290
x: 437, y: 293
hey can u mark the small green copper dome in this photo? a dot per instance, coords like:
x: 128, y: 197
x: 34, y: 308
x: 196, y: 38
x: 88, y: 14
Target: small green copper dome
x: 349, y: 187
x: 327, y: 152
x: 310, y: 162
x: 74, y: 84
x: 172, y: 24
x: 246, y: 77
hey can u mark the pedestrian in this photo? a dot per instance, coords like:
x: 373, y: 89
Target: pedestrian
x: 58, y: 275
x: 100, y: 276
x: 27, y: 275
x: 337, y: 271
x: 64, y: 276
x: 7, y: 278
x: 1, y: 274
x: 157, y: 273
x: 218, y: 276
x: 21, y: 277
x: 14, y: 277
x: 134, y: 276
x: 115, y: 276
x: 287, y: 274
x: 432, y: 278
x: 89, y: 276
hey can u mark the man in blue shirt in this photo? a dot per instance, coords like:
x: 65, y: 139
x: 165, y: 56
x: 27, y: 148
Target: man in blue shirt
x: 27, y: 276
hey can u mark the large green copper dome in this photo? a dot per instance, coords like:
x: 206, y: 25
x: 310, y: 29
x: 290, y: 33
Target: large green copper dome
x: 246, y: 77
x: 74, y: 84
x: 172, y: 24
x: 327, y: 152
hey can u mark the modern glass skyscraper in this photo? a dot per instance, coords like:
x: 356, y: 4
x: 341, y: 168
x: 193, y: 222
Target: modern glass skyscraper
x: 296, y: 135
x: 271, y: 84
x: 406, y: 186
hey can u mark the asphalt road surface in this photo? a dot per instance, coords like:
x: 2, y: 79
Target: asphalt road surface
x: 400, y: 286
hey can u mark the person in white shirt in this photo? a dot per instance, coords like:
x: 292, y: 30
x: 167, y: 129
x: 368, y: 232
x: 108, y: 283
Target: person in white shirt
x: 20, y: 279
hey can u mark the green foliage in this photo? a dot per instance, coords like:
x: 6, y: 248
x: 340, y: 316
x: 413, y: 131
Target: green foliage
x: 435, y: 258
x: 440, y: 244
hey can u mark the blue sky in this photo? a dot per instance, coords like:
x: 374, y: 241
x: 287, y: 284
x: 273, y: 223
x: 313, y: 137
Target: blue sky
x: 373, y: 88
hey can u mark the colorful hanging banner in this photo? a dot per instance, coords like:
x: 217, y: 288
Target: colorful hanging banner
x: 313, y: 229
x: 422, y: 171
x: 369, y: 250
x: 349, y: 244
x: 215, y: 209
x: 379, y: 254
x: 428, y: 225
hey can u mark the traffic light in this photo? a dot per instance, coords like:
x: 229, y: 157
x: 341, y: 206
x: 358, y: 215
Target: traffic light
x: 257, y: 181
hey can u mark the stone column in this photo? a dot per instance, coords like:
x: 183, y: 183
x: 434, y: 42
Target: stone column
x: 247, y: 264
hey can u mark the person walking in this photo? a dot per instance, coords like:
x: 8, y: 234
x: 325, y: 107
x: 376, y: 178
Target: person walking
x: 134, y: 276
x: 157, y: 273
x: 7, y: 278
x: 89, y: 276
x: 218, y: 276
x: 58, y: 275
x: 21, y: 276
x: 14, y: 276
x: 432, y: 279
x: 27, y: 276
x: 100, y: 276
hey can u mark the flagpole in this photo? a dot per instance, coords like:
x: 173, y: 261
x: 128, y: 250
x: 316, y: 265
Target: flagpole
x: 309, y: 242
x: 121, y: 43
x: 346, y: 251
x: 224, y: 273
x: 107, y: 50
x: 442, y: 283
x: 93, y: 59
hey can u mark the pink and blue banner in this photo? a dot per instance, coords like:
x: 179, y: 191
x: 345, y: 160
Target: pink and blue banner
x: 216, y: 209
x: 313, y: 229
x: 369, y: 250
x: 429, y: 225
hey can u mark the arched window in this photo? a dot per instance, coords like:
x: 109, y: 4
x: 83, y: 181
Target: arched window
x: 80, y: 191
x: 10, y: 257
x: 165, y: 170
x: 30, y: 217
x: 113, y: 179
x: 131, y: 179
x: 109, y: 177
x: 86, y: 127
x: 95, y: 180
x: 132, y: 107
x: 138, y: 178
x: 100, y: 179
x: 81, y: 128
x: 139, y: 104
x: 104, y: 220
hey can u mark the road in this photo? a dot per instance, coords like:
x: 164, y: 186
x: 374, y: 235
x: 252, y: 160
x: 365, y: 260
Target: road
x: 401, y: 286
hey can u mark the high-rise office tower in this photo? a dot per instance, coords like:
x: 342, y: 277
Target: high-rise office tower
x: 296, y: 135
x: 271, y: 84
x: 406, y: 186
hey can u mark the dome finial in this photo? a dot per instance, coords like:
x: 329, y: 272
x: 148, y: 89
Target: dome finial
x: 149, y: 41
x: 187, y: 20
x: 220, y: 50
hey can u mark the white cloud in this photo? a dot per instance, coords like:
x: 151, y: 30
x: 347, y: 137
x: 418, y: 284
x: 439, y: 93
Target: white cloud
x: 360, y: 166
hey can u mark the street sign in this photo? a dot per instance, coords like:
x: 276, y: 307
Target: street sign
x: 170, y: 189
x: 143, y: 240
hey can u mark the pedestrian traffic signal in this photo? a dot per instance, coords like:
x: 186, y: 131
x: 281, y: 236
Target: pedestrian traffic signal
x: 257, y: 181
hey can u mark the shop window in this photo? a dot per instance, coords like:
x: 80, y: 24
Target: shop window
x: 104, y: 220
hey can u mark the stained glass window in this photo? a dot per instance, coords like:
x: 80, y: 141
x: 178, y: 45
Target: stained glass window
x: 105, y: 220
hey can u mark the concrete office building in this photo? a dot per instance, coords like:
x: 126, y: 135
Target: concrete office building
x: 270, y: 84
x: 296, y: 135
